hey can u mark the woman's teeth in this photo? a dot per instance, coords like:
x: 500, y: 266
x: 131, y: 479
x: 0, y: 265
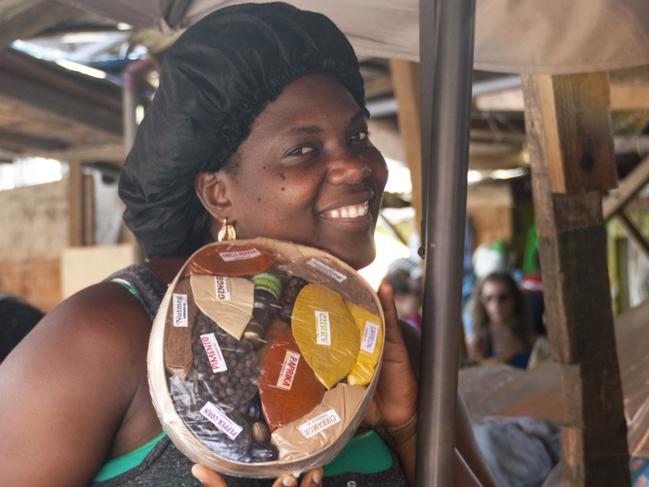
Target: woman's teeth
x: 351, y: 211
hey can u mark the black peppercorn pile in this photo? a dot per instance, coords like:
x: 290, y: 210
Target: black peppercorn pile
x: 234, y: 388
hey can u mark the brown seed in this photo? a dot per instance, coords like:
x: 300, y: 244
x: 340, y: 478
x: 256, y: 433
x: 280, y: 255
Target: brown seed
x: 260, y: 432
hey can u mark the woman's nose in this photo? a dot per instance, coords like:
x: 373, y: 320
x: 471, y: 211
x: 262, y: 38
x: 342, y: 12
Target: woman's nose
x: 346, y: 168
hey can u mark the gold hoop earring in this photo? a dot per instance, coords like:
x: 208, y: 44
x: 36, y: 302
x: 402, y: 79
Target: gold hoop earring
x: 227, y: 231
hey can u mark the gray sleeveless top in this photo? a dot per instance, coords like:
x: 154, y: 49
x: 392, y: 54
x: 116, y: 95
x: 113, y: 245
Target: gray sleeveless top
x: 165, y: 465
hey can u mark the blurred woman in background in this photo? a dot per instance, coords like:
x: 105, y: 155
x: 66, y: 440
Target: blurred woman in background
x: 501, y: 331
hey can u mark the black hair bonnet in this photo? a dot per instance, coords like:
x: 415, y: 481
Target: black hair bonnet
x: 215, y: 80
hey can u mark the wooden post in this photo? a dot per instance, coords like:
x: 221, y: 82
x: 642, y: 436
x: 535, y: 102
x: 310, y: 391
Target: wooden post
x: 406, y: 83
x: 75, y: 204
x: 571, y: 150
x: 81, y: 226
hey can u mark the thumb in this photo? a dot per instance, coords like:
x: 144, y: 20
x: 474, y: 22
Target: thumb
x: 207, y: 476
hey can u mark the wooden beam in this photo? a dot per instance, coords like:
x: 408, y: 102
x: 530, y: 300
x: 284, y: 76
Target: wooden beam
x: 576, y: 109
x: 16, y: 142
x: 75, y: 202
x: 88, y: 209
x: 406, y: 84
x: 34, y: 94
x: 572, y: 247
x: 633, y: 233
x: 107, y: 152
x: 22, y: 19
x: 624, y: 97
x: 629, y: 96
x: 632, y: 184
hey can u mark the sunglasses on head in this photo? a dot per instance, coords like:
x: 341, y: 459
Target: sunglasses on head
x: 501, y: 298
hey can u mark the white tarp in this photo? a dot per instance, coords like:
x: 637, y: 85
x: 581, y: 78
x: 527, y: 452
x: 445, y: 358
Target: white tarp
x: 549, y: 36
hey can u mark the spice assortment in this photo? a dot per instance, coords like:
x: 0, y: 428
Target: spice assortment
x: 263, y: 357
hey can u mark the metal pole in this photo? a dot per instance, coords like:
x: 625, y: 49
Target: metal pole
x: 446, y: 56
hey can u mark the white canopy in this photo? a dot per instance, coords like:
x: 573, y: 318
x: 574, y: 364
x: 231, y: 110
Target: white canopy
x: 515, y: 36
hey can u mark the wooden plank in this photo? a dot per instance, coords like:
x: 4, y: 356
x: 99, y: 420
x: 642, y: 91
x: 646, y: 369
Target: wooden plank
x: 633, y: 233
x: 34, y: 94
x: 88, y: 208
x: 75, y: 201
x: 579, y: 149
x: 104, y: 152
x: 406, y: 83
x: 628, y: 189
x: 99, y: 92
x: 624, y: 97
x: 21, y: 19
x: 16, y: 142
x: 630, y: 96
x: 34, y: 124
x: 572, y: 247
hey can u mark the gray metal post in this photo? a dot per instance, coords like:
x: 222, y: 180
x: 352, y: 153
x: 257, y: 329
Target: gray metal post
x: 446, y: 56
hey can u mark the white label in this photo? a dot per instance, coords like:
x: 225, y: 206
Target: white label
x: 289, y: 368
x: 219, y: 419
x: 322, y: 328
x: 223, y: 289
x: 240, y: 255
x: 211, y: 346
x: 370, y: 336
x: 325, y: 269
x: 179, y: 304
x: 320, y: 423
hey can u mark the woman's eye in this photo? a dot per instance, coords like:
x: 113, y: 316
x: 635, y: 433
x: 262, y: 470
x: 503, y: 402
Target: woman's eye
x: 301, y: 150
x: 360, y: 136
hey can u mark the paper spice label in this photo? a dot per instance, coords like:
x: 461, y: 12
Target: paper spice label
x: 325, y: 269
x: 223, y: 288
x: 219, y: 419
x: 323, y: 328
x: 179, y: 304
x: 240, y: 255
x: 320, y: 423
x: 370, y: 337
x: 289, y: 368
x: 211, y: 346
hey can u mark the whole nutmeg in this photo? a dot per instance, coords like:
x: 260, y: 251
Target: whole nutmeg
x: 260, y: 432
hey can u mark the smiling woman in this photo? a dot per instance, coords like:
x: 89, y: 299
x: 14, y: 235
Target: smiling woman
x: 259, y: 123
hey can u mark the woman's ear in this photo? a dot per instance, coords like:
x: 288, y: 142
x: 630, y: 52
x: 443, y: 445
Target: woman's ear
x: 211, y: 189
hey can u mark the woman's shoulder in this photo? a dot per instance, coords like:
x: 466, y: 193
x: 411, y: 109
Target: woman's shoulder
x: 68, y: 384
x: 103, y: 315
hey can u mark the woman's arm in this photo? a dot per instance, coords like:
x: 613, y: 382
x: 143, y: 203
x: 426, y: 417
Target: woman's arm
x: 66, y: 387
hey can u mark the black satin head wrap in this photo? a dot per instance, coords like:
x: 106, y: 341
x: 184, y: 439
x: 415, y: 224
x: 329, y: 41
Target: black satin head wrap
x: 215, y: 80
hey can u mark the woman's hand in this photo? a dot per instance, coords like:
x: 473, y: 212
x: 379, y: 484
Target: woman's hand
x: 209, y: 478
x: 393, y: 408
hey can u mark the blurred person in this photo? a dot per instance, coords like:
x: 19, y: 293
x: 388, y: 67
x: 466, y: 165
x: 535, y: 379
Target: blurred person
x: 501, y: 331
x: 17, y: 318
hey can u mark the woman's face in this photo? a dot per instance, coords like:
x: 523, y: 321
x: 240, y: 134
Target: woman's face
x: 498, y: 301
x: 308, y: 173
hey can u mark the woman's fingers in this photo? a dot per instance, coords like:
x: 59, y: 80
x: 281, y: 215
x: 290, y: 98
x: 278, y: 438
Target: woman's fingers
x: 395, y: 350
x: 207, y: 476
x: 285, y: 481
x: 313, y: 478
